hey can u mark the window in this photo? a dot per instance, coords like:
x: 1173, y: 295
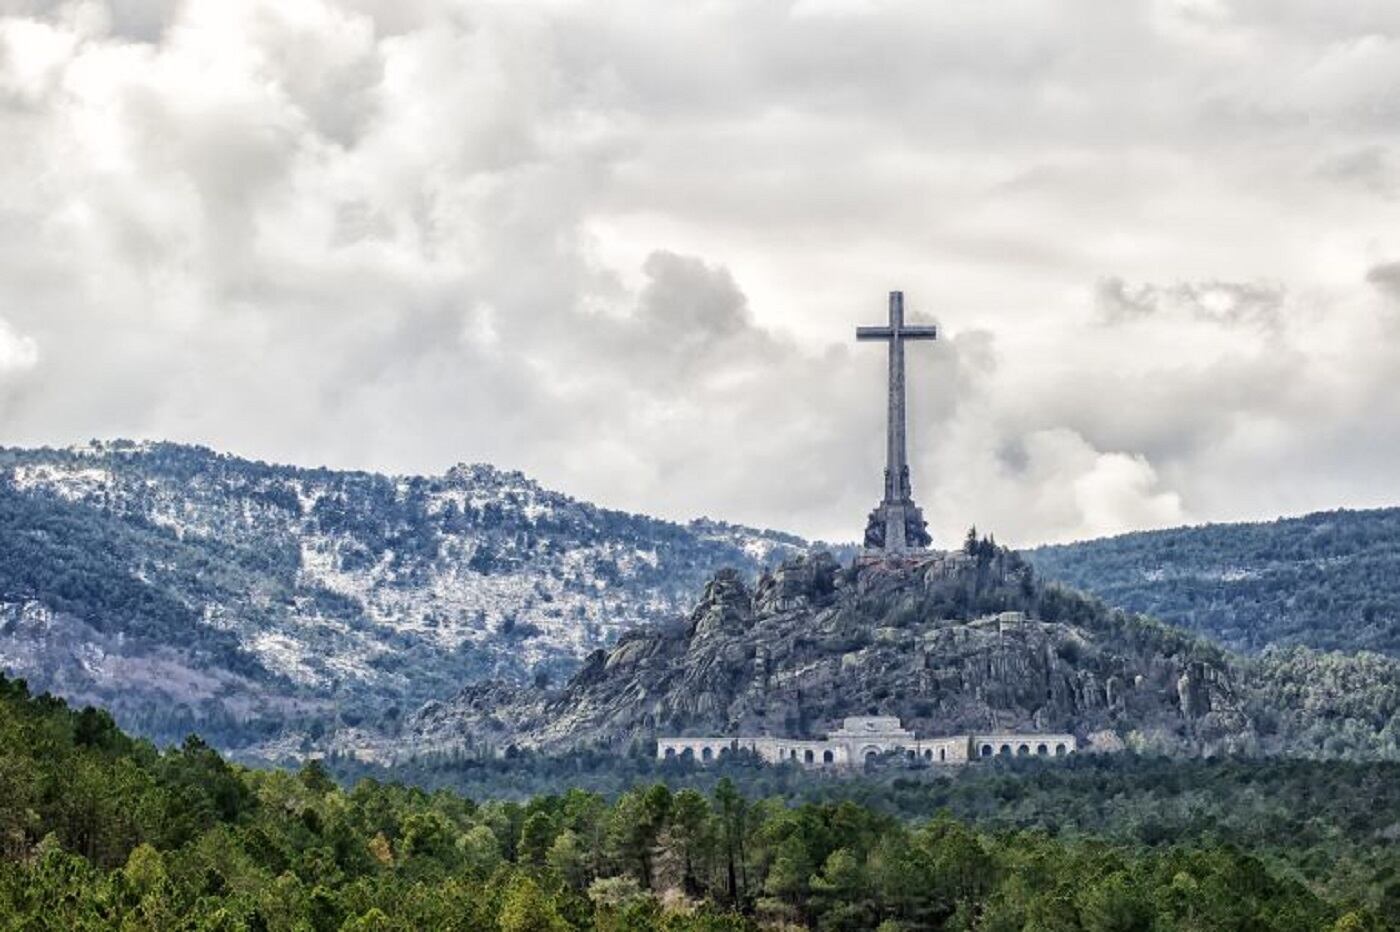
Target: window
x: 942, y: 754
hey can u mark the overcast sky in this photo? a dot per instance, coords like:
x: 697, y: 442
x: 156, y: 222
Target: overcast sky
x: 623, y: 247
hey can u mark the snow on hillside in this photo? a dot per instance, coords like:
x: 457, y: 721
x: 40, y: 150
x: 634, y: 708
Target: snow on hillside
x: 379, y: 590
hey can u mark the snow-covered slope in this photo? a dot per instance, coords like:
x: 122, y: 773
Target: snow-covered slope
x: 190, y: 589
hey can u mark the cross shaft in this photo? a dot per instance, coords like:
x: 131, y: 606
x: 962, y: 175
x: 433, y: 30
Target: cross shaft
x: 897, y: 524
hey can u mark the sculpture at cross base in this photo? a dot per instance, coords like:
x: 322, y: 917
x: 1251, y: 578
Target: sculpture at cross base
x: 896, y: 525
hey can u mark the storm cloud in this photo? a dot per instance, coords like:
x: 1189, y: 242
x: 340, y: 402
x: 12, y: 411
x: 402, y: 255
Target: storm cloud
x: 623, y: 247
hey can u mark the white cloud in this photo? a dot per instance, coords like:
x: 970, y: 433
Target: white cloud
x: 17, y: 353
x: 623, y: 246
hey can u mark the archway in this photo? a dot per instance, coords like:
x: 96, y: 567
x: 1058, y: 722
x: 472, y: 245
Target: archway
x: 942, y: 754
x: 688, y: 754
x: 986, y: 750
x: 1059, y: 750
x: 808, y: 756
x: 828, y: 757
x: 928, y: 755
x: 1005, y: 750
x: 707, y: 754
x: 670, y: 753
x: 1023, y: 750
x: 1042, y: 750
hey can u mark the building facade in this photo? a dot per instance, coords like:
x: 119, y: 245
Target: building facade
x: 864, y: 738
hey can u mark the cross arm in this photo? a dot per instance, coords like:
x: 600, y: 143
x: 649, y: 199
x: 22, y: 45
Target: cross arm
x: 919, y: 332
x: 873, y: 333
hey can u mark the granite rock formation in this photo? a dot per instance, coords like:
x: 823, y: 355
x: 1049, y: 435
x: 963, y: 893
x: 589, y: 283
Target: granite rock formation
x: 949, y: 642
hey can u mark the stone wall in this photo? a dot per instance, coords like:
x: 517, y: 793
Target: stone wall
x: 844, y: 750
x: 816, y: 754
x: 1023, y: 744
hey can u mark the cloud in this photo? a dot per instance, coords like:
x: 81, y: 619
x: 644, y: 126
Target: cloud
x: 1385, y: 277
x: 17, y: 353
x: 623, y: 247
x: 1370, y: 168
x: 1226, y: 303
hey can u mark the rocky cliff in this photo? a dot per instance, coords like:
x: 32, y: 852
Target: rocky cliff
x: 952, y: 642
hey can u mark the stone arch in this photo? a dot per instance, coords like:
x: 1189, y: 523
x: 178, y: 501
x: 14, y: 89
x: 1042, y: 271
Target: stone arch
x: 928, y: 755
x: 707, y: 754
x: 912, y: 754
x: 670, y: 752
x: 1023, y: 750
x: 869, y: 753
x: 1060, y: 750
x: 828, y: 757
x: 1041, y: 750
x: 986, y: 750
x: 808, y: 757
x: 1005, y: 749
x: 688, y: 754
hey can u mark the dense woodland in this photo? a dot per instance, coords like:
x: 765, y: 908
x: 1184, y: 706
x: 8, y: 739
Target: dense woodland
x: 1329, y: 580
x: 102, y: 831
x: 1331, y: 823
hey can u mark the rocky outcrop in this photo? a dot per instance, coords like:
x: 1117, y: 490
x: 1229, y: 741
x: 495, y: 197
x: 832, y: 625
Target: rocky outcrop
x: 950, y: 643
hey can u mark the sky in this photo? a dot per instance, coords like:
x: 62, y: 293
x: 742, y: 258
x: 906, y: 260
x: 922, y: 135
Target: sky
x: 623, y: 247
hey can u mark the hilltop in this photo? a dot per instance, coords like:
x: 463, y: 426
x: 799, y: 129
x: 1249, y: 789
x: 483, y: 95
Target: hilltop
x: 950, y: 643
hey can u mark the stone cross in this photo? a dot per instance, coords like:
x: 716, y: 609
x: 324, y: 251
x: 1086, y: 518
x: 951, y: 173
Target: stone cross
x: 896, y: 525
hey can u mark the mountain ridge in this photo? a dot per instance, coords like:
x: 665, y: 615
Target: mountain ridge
x: 269, y: 606
x: 1329, y: 580
x: 253, y: 587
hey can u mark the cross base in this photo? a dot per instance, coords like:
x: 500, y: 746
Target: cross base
x: 897, y: 527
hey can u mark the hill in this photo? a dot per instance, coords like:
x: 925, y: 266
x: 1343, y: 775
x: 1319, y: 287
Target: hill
x: 950, y: 643
x: 189, y: 590
x: 1329, y: 580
